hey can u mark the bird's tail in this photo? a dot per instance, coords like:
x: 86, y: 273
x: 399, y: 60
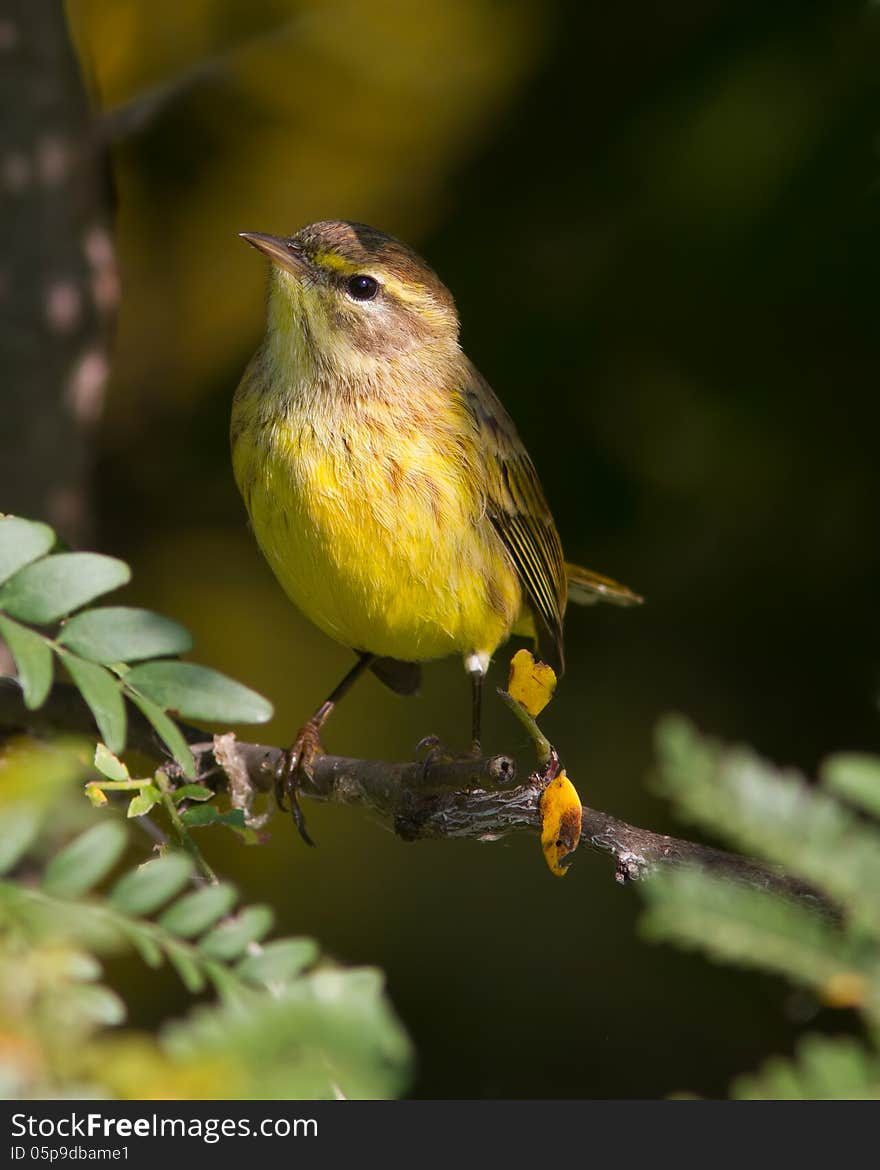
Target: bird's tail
x: 586, y: 588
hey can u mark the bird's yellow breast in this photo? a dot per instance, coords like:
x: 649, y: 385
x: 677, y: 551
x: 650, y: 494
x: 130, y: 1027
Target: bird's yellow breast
x: 366, y: 519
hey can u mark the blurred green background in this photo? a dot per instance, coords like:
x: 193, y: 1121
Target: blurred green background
x: 660, y: 223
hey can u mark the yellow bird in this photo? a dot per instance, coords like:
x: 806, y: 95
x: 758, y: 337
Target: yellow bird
x: 386, y: 485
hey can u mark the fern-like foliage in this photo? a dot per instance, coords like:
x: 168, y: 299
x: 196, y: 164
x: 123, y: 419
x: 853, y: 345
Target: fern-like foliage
x: 275, y: 1018
x: 279, y: 1021
x: 113, y: 654
x: 825, y: 1068
x: 826, y: 835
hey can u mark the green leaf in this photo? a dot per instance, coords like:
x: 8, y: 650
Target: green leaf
x: 201, y: 815
x: 196, y: 692
x: 143, y: 942
x: 826, y: 1068
x: 196, y: 912
x: 777, y: 815
x: 21, y: 542
x: 108, y: 764
x: 187, y: 968
x: 80, y: 965
x: 34, y: 775
x: 855, y: 777
x: 19, y: 824
x: 233, y: 819
x: 165, y: 728
x: 120, y: 634
x: 95, y: 1003
x: 279, y: 961
x: 147, y: 798
x: 229, y: 988
x: 231, y: 939
x: 151, y: 885
x: 33, y: 657
x: 103, y: 694
x: 85, y: 861
x: 192, y: 792
x: 328, y: 1032
x: 751, y: 927
x: 57, y: 585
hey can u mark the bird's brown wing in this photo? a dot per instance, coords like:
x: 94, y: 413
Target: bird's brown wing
x: 516, y: 506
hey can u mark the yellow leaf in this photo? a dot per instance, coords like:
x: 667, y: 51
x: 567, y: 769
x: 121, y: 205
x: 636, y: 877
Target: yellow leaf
x: 843, y: 990
x: 561, y: 813
x: 95, y: 794
x: 531, y: 683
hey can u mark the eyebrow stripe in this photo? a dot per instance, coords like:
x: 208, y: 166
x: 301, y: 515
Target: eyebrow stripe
x: 326, y: 259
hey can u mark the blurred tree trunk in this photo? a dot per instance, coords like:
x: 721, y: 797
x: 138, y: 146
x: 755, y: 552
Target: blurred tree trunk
x: 58, y: 281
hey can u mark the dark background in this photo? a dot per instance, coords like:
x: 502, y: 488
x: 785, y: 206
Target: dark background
x: 660, y: 223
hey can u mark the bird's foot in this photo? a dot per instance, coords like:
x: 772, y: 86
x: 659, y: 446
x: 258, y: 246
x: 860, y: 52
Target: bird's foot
x: 432, y: 747
x: 436, y: 752
x: 295, y: 768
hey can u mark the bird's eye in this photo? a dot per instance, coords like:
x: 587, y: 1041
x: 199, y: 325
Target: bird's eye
x: 362, y: 288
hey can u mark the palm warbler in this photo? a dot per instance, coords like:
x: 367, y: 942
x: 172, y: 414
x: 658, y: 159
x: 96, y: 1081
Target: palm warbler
x: 386, y: 484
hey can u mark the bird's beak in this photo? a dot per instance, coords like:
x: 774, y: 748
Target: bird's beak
x: 278, y: 251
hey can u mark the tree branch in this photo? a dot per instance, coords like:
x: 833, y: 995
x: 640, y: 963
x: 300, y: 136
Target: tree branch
x: 428, y: 799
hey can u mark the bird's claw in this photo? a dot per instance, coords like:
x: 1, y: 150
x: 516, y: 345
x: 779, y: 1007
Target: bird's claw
x: 436, y: 751
x: 430, y: 744
x: 296, y: 767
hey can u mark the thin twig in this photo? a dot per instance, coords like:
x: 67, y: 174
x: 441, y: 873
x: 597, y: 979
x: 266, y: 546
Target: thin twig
x: 183, y: 835
x: 543, y: 747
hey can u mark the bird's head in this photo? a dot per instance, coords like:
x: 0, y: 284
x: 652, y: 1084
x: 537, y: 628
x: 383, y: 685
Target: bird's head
x: 350, y: 299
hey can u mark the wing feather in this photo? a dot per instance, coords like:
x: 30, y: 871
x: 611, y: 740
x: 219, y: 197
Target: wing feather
x: 586, y: 587
x: 516, y: 506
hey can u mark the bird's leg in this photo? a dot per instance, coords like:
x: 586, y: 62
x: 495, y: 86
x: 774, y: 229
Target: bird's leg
x: 476, y: 665
x: 298, y: 759
x: 476, y: 711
